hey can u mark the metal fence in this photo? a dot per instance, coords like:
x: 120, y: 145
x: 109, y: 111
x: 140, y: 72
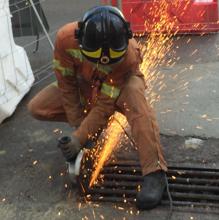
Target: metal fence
x: 35, y: 23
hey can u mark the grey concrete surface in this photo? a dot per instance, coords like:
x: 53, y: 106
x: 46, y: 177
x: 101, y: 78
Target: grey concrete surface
x: 189, y: 96
x: 33, y: 177
x: 32, y: 171
x: 189, y: 103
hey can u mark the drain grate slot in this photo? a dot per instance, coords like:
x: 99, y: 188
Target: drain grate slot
x: 190, y: 187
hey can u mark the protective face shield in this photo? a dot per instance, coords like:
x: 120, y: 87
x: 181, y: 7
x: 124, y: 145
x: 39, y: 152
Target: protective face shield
x: 103, y: 35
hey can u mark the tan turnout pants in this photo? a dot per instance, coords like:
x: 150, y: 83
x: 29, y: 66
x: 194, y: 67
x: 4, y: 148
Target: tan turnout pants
x: 47, y: 105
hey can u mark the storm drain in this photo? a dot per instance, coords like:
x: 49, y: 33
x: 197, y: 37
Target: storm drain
x: 189, y: 187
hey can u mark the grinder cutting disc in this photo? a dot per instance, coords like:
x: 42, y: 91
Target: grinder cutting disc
x: 86, y: 166
x: 74, y: 168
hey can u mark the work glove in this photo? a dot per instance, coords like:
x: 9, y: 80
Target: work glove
x: 70, y: 147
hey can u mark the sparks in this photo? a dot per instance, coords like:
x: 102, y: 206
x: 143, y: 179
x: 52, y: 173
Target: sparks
x: 35, y: 162
x: 115, y: 131
x: 57, y: 131
x: 154, y: 49
x: 101, y: 216
x: 173, y: 177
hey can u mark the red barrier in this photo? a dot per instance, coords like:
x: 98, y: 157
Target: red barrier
x: 197, y: 16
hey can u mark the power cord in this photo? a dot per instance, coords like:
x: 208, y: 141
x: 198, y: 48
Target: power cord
x: 169, y: 216
x: 170, y: 199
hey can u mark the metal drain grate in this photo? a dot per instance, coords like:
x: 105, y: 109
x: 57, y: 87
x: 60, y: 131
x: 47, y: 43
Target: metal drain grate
x: 189, y: 187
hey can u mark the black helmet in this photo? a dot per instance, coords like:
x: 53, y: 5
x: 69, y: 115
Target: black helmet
x: 103, y: 35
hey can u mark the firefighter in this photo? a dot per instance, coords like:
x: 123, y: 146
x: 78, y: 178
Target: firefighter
x: 96, y: 63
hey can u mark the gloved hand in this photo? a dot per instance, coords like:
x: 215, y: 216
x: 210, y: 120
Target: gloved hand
x: 70, y: 147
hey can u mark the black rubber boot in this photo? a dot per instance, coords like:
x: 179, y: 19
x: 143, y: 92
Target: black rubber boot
x: 151, y: 191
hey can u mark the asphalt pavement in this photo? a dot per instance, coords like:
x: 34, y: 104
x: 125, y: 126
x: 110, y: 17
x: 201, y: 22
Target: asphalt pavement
x: 33, y: 180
